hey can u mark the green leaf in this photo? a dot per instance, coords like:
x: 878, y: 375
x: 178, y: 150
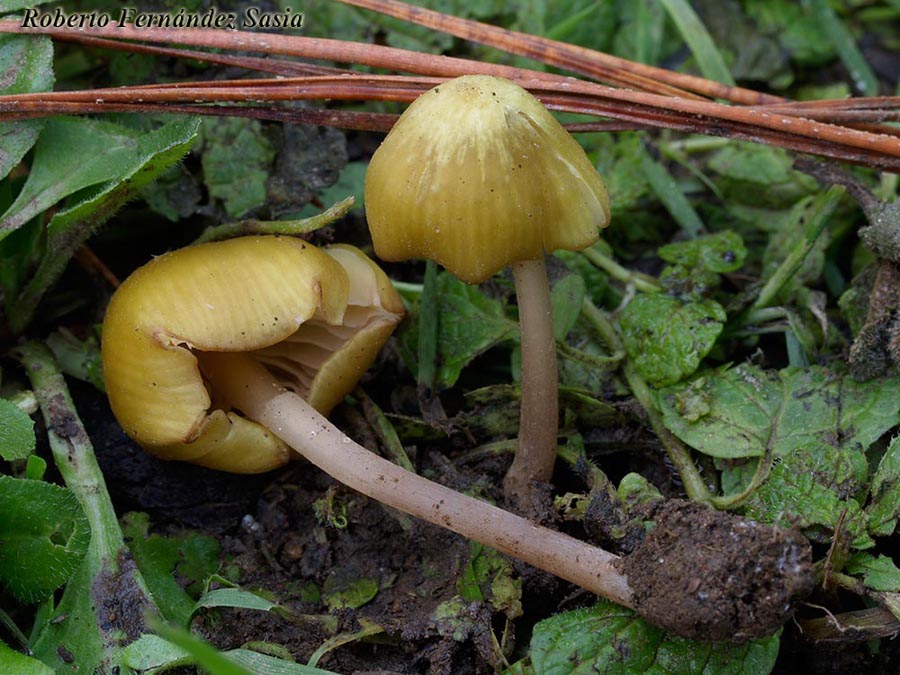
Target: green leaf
x: 13, y: 5
x: 814, y: 424
x: 566, y: 297
x: 263, y: 664
x: 621, y: 165
x: 611, y: 639
x: 151, y: 651
x: 201, y: 653
x: 469, y: 323
x: 72, y: 153
x: 759, y: 176
x: 792, y: 237
x: 12, y: 661
x: 352, y: 594
x: 737, y: 412
x: 488, y: 576
x: 44, y: 536
x: 721, y: 253
x: 879, y: 573
x: 884, y: 505
x: 667, y: 338
x: 16, y: 432
x: 78, y: 358
x: 35, y: 467
x: 814, y: 488
x: 236, y: 163
x: 798, y: 31
x: 75, y: 154
x: 161, y: 560
x: 26, y: 62
x: 154, y: 653
x: 235, y: 597
x: 643, y: 39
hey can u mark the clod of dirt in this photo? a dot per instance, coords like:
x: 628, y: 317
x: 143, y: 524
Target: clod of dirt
x: 121, y: 603
x: 708, y: 575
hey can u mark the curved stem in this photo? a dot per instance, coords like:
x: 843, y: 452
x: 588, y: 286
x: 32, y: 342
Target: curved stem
x: 641, y: 282
x: 538, y: 412
x: 251, y: 388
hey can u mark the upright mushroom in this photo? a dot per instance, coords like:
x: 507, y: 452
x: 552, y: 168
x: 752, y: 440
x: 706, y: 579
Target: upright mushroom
x: 226, y: 354
x: 477, y: 175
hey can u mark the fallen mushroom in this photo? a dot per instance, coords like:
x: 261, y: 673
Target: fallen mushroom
x: 227, y: 354
x: 478, y: 175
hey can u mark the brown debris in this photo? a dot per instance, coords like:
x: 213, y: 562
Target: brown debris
x: 709, y: 575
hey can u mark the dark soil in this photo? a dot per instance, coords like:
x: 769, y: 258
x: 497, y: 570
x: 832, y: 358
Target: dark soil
x: 742, y: 586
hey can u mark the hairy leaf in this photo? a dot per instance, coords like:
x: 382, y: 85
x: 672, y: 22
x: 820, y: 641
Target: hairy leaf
x: 16, y: 432
x: 44, y: 536
x: 99, y: 166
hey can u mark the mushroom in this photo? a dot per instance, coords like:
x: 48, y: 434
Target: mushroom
x: 315, y: 318
x: 478, y: 175
x: 227, y: 354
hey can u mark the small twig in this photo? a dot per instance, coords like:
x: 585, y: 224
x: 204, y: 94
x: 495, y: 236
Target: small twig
x: 581, y: 60
x: 283, y: 227
x: 627, y: 106
x: 85, y: 257
x: 265, y: 65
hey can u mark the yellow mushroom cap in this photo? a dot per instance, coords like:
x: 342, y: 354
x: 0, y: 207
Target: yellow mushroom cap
x: 476, y: 175
x: 316, y: 318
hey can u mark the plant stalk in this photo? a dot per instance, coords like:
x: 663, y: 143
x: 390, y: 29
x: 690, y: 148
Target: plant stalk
x: 248, y: 386
x: 107, y: 597
x: 539, y: 407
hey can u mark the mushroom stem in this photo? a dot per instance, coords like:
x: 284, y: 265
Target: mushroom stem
x: 538, y: 411
x: 248, y: 386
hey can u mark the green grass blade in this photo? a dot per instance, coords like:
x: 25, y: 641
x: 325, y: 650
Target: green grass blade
x: 669, y: 193
x: 863, y: 77
x: 698, y: 40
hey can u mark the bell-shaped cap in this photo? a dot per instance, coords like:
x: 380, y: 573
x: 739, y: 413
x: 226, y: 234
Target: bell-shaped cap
x: 315, y: 318
x: 476, y: 175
